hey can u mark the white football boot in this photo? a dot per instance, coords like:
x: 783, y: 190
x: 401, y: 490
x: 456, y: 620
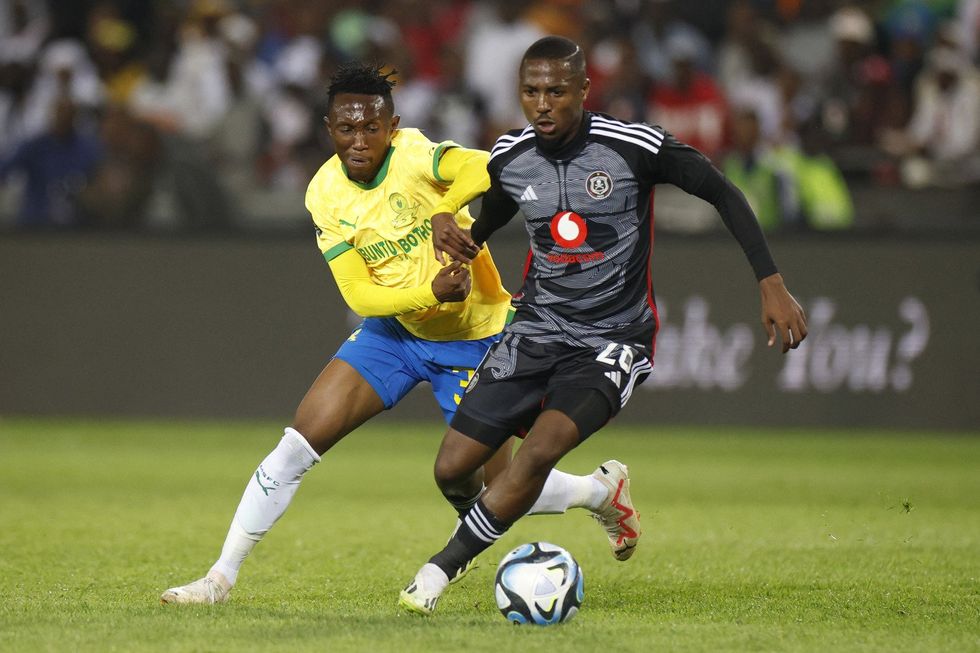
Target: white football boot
x: 213, y: 588
x: 422, y: 594
x: 616, y: 514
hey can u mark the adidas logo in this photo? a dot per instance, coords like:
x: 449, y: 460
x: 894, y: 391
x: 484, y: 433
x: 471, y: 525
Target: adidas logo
x: 615, y: 377
x: 529, y: 195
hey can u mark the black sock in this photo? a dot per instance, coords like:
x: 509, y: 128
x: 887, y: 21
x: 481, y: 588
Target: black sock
x: 480, y: 529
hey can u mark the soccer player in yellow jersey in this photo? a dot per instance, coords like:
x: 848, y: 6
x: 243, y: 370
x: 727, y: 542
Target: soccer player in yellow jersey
x: 372, y: 206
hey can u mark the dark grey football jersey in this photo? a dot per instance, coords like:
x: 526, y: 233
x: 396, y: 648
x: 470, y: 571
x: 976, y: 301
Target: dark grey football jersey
x: 588, y: 211
x: 588, y: 217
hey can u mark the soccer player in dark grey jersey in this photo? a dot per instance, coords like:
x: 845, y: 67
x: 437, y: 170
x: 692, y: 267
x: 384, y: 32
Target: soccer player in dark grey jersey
x: 583, y: 335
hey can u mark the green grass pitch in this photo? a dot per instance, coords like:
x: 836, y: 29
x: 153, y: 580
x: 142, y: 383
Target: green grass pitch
x: 754, y: 541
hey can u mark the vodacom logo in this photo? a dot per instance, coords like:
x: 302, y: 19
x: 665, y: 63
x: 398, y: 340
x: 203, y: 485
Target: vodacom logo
x: 568, y: 229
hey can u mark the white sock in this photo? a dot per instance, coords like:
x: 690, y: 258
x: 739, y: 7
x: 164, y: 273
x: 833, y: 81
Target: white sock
x: 563, y: 491
x: 266, y: 498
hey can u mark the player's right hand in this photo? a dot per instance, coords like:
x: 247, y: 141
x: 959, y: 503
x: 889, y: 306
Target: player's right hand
x: 449, y: 238
x: 782, y: 315
x: 453, y: 283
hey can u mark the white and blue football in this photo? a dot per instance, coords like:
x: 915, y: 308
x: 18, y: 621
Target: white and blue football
x: 539, y: 583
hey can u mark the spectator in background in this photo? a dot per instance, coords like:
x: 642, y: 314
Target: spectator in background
x: 240, y: 35
x: 764, y: 93
x: 800, y: 102
x: 942, y: 141
x: 909, y: 29
x: 862, y: 98
x: 748, y: 37
x: 426, y: 28
x: 123, y: 184
x: 301, y: 64
x: 153, y: 100
x: 15, y: 82
x: 235, y: 144
x: 230, y: 87
x: 56, y: 165
x: 498, y: 37
x: 459, y: 114
x: 291, y: 127
x: 806, y: 42
x: 752, y: 166
x: 197, y: 77
x: 822, y: 199
x: 186, y: 95
x: 23, y: 27
x: 111, y: 42
x: 64, y: 71
x: 415, y: 95
x: 653, y: 33
x: 690, y: 104
x: 753, y: 74
x: 620, y: 87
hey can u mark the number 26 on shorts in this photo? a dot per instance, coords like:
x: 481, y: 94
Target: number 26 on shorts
x: 624, y: 359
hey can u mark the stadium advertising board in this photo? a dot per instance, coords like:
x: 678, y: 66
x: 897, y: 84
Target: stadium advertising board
x: 239, y: 328
x: 874, y: 354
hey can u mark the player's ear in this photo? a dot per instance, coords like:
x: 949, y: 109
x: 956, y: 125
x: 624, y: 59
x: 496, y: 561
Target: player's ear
x: 586, y: 85
x: 394, y: 121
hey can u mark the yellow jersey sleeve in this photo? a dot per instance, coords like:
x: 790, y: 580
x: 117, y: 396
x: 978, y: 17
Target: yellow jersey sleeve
x: 466, y: 171
x: 367, y: 298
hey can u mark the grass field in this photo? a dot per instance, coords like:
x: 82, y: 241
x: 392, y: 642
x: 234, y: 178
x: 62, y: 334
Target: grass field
x: 754, y: 541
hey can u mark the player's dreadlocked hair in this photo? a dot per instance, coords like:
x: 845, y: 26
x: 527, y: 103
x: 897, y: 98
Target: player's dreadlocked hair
x: 362, y: 79
x: 557, y: 48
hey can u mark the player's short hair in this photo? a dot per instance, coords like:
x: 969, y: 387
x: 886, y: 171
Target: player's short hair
x: 556, y: 48
x: 362, y: 79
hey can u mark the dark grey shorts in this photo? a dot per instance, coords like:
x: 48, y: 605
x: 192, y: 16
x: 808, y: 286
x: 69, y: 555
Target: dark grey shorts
x: 519, y: 378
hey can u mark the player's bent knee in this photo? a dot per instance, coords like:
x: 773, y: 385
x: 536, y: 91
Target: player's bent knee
x: 458, y: 461
x: 449, y: 474
x: 321, y: 436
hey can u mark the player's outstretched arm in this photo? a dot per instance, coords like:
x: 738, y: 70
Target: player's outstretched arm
x: 470, y: 179
x: 692, y: 172
x: 466, y: 172
x: 781, y: 313
x: 449, y: 238
x: 368, y: 299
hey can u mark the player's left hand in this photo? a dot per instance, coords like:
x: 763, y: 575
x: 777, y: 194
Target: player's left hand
x: 449, y: 238
x: 452, y: 283
x: 781, y: 312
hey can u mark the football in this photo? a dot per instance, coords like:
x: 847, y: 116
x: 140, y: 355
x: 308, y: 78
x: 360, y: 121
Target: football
x: 539, y: 583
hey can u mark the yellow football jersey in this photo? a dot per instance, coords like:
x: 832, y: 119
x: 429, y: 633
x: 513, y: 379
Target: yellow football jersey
x: 387, y: 222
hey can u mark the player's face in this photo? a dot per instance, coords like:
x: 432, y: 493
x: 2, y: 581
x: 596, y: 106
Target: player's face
x: 361, y: 127
x: 552, y: 94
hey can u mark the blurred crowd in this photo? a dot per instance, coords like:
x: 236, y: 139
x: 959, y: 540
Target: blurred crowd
x: 108, y: 105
